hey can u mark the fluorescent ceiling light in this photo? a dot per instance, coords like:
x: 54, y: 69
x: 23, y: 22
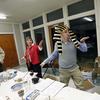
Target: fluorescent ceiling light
x: 3, y: 16
x: 88, y: 19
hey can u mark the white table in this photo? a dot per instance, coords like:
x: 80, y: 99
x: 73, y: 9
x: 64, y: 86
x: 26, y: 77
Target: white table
x: 75, y: 94
x: 5, y: 88
x: 47, y: 87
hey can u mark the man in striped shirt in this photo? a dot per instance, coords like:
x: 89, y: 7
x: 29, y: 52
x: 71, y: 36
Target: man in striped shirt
x: 68, y: 67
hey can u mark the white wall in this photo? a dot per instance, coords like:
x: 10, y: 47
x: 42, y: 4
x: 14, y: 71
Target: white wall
x: 6, y: 27
x: 18, y: 41
x: 97, y: 14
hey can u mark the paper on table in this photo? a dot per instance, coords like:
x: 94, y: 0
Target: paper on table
x: 42, y: 97
x: 44, y: 84
x: 53, y: 89
x: 41, y: 86
x: 47, y: 97
x: 96, y: 96
x: 74, y: 94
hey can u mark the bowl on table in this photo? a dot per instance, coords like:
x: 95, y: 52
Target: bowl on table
x: 35, y: 80
x: 17, y: 86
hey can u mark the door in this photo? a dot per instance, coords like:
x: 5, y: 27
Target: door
x: 52, y: 42
x: 8, y: 44
x: 51, y: 33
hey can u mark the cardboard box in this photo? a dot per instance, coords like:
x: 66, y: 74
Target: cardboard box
x: 88, y: 85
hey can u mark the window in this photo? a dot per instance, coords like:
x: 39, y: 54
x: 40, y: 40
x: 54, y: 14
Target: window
x: 39, y: 35
x: 79, y: 7
x: 85, y: 26
x: 37, y: 21
x: 25, y: 25
x: 27, y: 34
x: 57, y: 14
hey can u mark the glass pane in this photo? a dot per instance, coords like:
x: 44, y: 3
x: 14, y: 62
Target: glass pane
x: 37, y: 21
x: 79, y: 7
x: 57, y: 14
x: 27, y: 34
x: 86, y: 27
x: 25, y: 25
x: 39, y: 35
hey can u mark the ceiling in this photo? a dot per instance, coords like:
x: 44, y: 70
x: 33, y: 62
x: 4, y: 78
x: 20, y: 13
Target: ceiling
x: 21, y: 10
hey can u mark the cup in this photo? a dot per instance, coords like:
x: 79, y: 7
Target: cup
x: 21, y: 93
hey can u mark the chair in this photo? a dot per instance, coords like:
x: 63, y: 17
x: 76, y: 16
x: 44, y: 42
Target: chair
x: 49, y: 65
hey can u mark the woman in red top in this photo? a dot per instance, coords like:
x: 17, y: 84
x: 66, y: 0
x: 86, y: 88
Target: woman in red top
x: 32, y: 56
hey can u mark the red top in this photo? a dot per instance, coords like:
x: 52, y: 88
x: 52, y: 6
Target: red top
x: 26, y: 55
x: 32, y: 54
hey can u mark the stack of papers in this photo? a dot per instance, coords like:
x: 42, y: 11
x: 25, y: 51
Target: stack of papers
x: 75, y: 94
x: 53, y: 89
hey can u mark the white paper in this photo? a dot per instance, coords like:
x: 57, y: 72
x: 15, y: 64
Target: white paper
x: 53, y: 89
x: 74, y: 94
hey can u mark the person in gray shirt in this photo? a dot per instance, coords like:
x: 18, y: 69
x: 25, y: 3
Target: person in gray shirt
x: 68, y: 67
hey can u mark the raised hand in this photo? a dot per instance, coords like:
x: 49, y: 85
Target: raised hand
x: 42, y: 64
x: 84, y: 39
x: 41, y: 43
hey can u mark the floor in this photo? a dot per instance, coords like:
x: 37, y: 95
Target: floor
x: 55, y: 73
